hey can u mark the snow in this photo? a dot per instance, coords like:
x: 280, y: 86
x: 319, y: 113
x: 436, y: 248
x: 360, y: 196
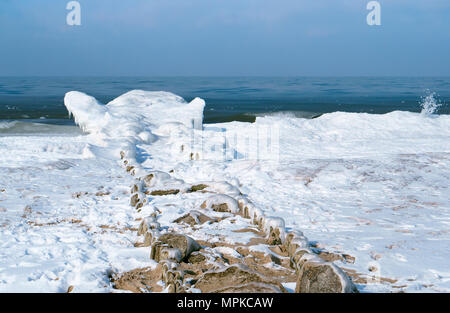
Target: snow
x: 372, y: 186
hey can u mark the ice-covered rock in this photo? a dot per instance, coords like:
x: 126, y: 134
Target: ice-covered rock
x: 221, y: 203
x: 184, y: 243
x: 136, y: 187
x: 148, y: 223
x: 138, y: 200
x: 275, y: 230
x: 156, y: 178
x: 172, y: 254
x: 193, y: 218
x: 295, y: 240
x: 296, y: 257
x: 237, y: 277
x: 223, y: 187
x: 317, y: 276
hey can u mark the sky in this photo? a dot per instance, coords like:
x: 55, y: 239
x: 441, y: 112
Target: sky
x: 225, y: 38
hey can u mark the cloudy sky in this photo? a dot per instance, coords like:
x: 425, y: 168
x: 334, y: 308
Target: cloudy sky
x: 225, y: 37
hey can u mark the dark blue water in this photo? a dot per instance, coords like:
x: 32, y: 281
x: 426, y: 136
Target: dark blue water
x: 231, y: 98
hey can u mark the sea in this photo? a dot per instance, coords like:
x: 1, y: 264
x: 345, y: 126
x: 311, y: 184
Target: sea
x: 40, y: 99
x: 361, y: 168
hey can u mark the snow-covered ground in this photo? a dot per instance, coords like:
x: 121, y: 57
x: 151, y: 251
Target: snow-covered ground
x: 375, y: 187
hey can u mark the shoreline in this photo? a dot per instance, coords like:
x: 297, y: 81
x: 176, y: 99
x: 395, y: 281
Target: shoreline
x: 240, y: 267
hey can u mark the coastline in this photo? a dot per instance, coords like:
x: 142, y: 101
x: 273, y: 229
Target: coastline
x: 77, y: 188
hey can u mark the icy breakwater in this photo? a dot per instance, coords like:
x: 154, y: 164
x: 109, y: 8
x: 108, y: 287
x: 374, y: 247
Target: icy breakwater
x: 227, y: 242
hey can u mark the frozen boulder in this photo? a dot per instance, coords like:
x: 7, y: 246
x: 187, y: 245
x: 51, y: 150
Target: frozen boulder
x: 237, y: 277
x: 193, y: 218
x: 148, y: 223
x: 221, y: 203
x: 275, y: 230
x: 171, y: 254
x: 316, y: 276
x: 184, y: 243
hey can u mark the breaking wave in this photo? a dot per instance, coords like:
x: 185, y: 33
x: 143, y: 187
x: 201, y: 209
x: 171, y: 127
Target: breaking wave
x: 430, y: 105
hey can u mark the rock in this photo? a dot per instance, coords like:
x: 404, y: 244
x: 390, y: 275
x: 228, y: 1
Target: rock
x: 275, y: 230
x: 221, y: 203
x: 330, y: 256
x: 297, y: 256
x: 171, y: 276
x: 148, y: 179
x: 164, y: 192
x: 291, y: 236
x: 171, y: 254
x: 348, y: 258
x: 235, y: 277
x: 193, y: 218
x: 257, y: 215
x: 147, y: 224
x: 295, y: 240
x: 242, y: 203
x: 156, y: 178
x: 137, y: 187
x: 317, y: 276
x: 184, y: 243
x: 198, y: 187
x: 138, y: 280
x: 175, y: 287
x: 150, y: 237
x: 138, y: 200
x: 155, y: 250
x: 251, y: 288
x: 196, y: 257
x: 223, y: 187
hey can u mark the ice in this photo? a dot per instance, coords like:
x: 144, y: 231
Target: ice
x: 133, y: 114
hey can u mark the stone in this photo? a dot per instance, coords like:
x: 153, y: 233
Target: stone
x: 171, y: 254
x: 137, y: 199
x: 193, y: 218
x: 164, y: 192
x: 221, y: 203
x: 198, y: 187
x: 147, y: 224
x: 233, y: 278
x: 275, y: 230
x: 297, y: 257
x: 251, y: 288
x: 196, y: 257
x: 322, y: 277
x: 138, y: 280
x: 155, y: 250
x: 184, y: 243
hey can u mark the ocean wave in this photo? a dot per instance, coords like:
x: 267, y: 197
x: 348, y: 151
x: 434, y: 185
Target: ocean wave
x: 7, y: 125
x: 288, y: 114
x: 10, y: 128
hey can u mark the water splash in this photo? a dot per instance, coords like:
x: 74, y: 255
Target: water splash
x: 430, y: 105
